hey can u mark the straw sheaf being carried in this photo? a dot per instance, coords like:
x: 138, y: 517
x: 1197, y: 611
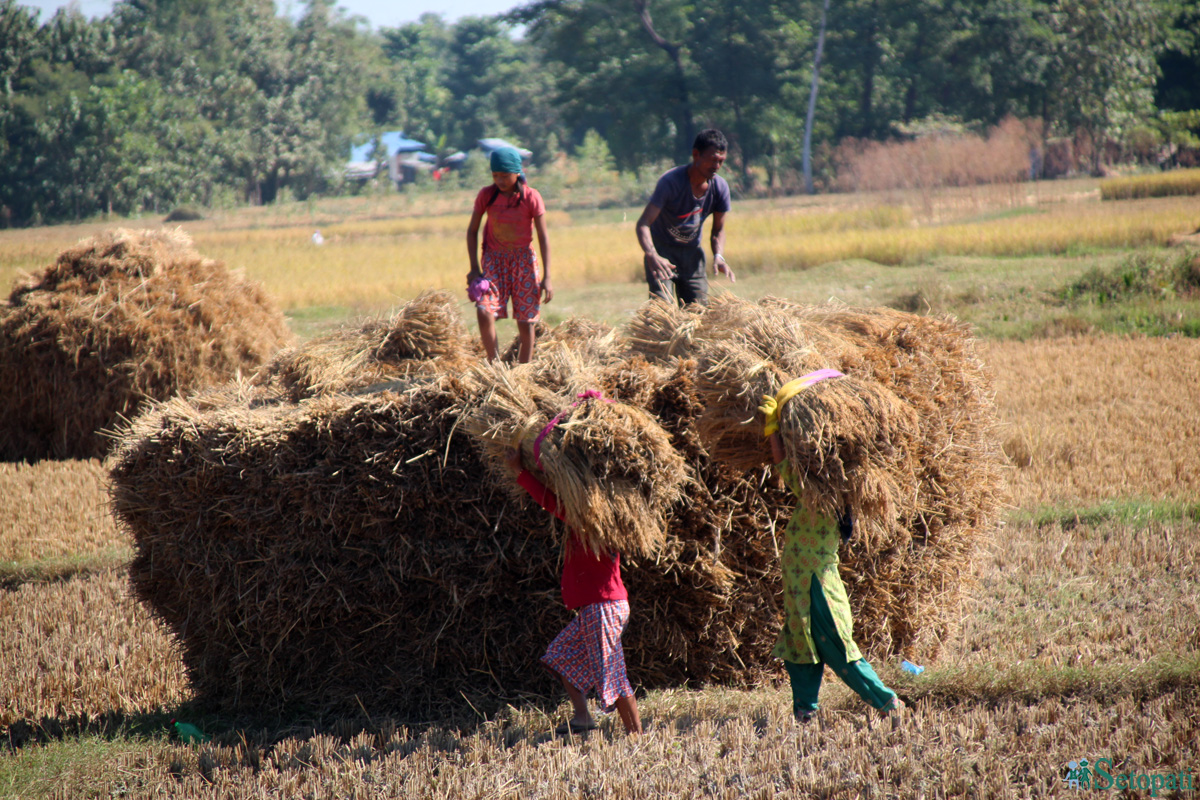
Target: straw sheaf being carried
x: 611, y: 465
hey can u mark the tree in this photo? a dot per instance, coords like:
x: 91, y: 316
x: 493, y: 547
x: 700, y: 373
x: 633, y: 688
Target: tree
x: 1105, y: 65
x: 812, y: 100
x: 1178, y: 88
x: 470, y: 80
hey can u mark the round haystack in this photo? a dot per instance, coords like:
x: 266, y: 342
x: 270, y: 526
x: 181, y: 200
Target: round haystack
x: 119, y: 319
x: 356, y: 543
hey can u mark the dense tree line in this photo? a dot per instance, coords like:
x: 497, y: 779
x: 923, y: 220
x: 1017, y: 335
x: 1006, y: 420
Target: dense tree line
x: 221, y: 101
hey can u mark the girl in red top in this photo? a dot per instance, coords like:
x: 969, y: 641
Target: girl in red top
x: 514, y: 210
x: 587, y: 654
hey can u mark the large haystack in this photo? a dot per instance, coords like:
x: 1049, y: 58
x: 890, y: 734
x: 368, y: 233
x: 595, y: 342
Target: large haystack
x: 355, y: 546
x: 347, y: 541
x: 121, y: 318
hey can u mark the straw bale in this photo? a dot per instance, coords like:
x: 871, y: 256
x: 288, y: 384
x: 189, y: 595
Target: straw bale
x: 424, y: 337
x: 576, y: 333
x: 338, y: 551
x: 660, y: 330
x: 851, y: 443
x: 119, y: 319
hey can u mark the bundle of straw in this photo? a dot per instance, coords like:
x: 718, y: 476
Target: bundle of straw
x: 610, y: 464
x: 424, y: 337
x: 851, y: 444
x: 121, y: 318
x: 574, y: 334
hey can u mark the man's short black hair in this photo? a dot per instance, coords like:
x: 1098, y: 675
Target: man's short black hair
x: 710, y: 138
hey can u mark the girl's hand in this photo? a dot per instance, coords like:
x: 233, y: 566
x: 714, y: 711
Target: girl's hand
x: 547, y: 290
x: 512, y: 460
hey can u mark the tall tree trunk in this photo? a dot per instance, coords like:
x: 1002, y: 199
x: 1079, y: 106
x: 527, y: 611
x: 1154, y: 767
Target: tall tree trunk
x: 687, y: 128
x: 812, y: 101
x: 910, y: 94
x: 740, y: 126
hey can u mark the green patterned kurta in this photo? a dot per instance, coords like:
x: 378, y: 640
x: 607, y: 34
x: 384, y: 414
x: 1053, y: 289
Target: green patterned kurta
x: 810, y: 547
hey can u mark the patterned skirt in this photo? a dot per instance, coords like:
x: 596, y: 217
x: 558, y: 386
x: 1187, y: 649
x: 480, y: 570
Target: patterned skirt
x: 588, y: 652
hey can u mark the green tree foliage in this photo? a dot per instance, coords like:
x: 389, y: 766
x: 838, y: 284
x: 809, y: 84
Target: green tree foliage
x: 1104, y: 65
x: 470, y: 80
x: 175, y: 101
x: 1179, y: 87
x: 171, y: 101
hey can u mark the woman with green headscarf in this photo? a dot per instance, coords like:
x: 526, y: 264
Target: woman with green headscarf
x: 508, y: 267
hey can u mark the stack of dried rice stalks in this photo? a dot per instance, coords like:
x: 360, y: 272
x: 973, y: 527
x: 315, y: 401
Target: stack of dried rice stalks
x: 121, y: 318
x: 336, y: 552
x: 355, y: 541
x: 426, y: 336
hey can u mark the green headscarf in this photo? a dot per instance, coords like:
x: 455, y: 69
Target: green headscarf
x: 507, y: 159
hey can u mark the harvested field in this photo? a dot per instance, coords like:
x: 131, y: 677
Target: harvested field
x: 1030, y: 712
x: 84, y: 646
x: 119, y: 319
x: 1079, y: 641
x: 1094, y: 418
x: 746, y: 747
x: 55, y: 509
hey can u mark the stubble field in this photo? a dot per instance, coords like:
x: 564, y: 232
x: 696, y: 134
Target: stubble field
x: 1081, y: 638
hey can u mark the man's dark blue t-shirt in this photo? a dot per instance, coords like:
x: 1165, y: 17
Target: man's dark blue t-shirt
x: 683, y: 214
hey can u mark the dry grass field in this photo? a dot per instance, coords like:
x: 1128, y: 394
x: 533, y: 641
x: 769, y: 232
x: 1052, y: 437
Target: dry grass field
x: 1079, y: 639
x: 1082, y: 639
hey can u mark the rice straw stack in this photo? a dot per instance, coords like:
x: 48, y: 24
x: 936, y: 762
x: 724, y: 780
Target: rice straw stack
x: 424, y: 337
x: 356, y: 542
x: 122, y: 318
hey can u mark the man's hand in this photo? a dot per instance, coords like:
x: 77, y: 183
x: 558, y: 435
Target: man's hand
x: 659, y: 267
x: 720, y: 265
x: 547, y: 289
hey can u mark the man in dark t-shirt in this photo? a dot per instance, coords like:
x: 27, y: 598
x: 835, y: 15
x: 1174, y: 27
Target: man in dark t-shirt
x: 669, y: 228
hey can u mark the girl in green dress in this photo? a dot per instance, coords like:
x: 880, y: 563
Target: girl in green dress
x: 818, y: 628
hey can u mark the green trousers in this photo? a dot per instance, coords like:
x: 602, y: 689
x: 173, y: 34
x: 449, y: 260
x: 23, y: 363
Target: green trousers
x: 858, y: 675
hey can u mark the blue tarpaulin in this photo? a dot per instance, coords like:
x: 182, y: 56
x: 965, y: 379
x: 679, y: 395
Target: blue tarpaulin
x: 393, y: 141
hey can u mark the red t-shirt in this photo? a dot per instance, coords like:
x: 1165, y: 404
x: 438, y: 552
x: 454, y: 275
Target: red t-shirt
x: 586, y: 577
x: 509, y: 223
